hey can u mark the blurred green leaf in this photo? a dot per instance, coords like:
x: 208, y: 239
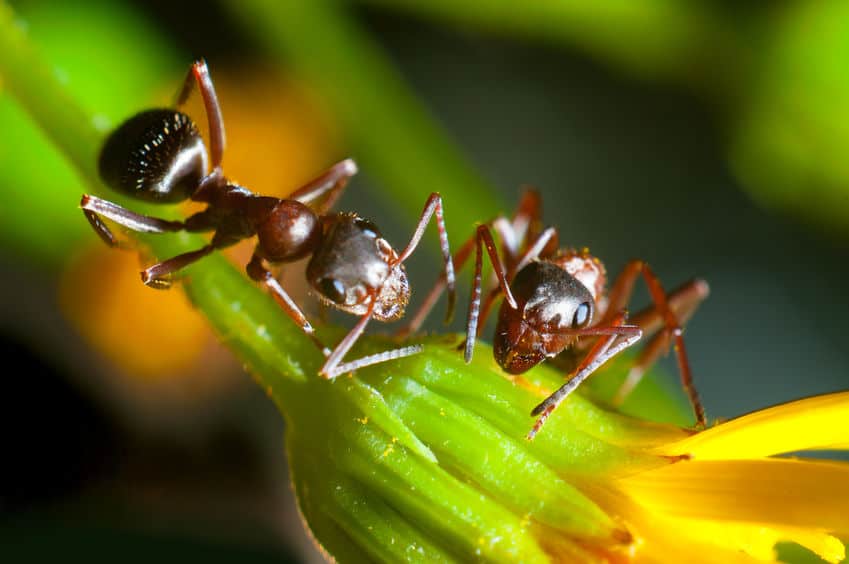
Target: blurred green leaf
x: 792, y: 136
x: 44, y: 223
x: 659, y: 39
x: 390, y: 133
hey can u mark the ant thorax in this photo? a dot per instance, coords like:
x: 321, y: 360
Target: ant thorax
x: 352, y: 267
x: 585, y: 268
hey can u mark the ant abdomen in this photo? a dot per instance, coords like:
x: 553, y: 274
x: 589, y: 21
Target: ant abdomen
x: 157, y: 155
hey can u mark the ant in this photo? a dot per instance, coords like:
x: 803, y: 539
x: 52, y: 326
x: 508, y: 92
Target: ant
x: 158, y: 155
x: 556, y: 305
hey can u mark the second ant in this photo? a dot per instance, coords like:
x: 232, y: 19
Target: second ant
x: 556, y: 306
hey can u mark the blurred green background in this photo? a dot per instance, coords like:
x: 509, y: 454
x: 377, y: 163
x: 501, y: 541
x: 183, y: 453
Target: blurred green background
x: 707, y: 138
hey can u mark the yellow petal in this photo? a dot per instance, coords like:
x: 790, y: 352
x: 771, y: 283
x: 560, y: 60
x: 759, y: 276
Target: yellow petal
x: 778, y: 493
x: 661, y: 538
x: 809, y: 424
x: 718, y: 539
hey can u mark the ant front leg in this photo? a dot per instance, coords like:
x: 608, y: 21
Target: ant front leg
x: 433, y: 208
x: 334, y: 366
x: 199, y: 74
x: 620, y: 294
x: 259, y: 273
x: 617, y: 337
x: 513, y: 235
x: 541, y: 247
x: 484, y: 239
x: 459, y: 260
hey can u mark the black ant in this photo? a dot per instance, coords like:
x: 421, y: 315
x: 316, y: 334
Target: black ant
x: 158, y: 155
x: 556, y: 304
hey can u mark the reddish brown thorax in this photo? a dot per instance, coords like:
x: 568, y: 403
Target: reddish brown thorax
x: 586, y: 268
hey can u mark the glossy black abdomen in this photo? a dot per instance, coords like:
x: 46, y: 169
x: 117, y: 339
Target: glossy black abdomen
x: 156, y: 155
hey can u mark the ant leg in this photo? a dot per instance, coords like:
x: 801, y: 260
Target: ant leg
x: 329, y: 185
x: 683, y: 302
x: 433, y: 207
x: 94, y: 207
x: 537, y: 249
x: 526, y: 220
x: 333, y: 366
x: 259, y: 273
x: 512, y: 235
x: 199, y: 74
x: 484, y: 239
x: 333, y: 372
x: 155, y: 276
x: 619, y: 337
x: 621, y: 293
x: 459, y: 260
x: 102, y: 229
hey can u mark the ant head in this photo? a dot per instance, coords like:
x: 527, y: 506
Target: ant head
x: 551, y: 305
x: 354, y: 265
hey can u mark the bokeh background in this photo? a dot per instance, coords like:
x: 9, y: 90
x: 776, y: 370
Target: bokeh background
x: 708, y: 138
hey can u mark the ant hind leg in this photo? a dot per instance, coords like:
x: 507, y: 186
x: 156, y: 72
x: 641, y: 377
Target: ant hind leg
x: 199, y: 75
x: 94, y: 208
x: 664, y: 311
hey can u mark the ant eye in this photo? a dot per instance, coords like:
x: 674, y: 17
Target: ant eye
x: 332, y: 289
x: 367, y: 227
x: 582, y: 315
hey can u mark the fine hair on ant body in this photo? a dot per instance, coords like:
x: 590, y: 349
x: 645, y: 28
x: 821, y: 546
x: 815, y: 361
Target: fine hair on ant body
x: 556, y: 306
x: 158, y: 155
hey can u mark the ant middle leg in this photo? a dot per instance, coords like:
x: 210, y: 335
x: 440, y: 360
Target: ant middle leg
x: 156, y: 276
x: 259, y: 273
x: 670, y: 334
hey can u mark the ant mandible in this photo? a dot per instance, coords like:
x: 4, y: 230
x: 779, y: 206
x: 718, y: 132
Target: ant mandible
x: 158, y: 155
x: 555, y: 303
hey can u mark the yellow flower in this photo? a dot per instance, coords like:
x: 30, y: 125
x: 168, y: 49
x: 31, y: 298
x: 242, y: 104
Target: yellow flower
x: 729, y: 497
